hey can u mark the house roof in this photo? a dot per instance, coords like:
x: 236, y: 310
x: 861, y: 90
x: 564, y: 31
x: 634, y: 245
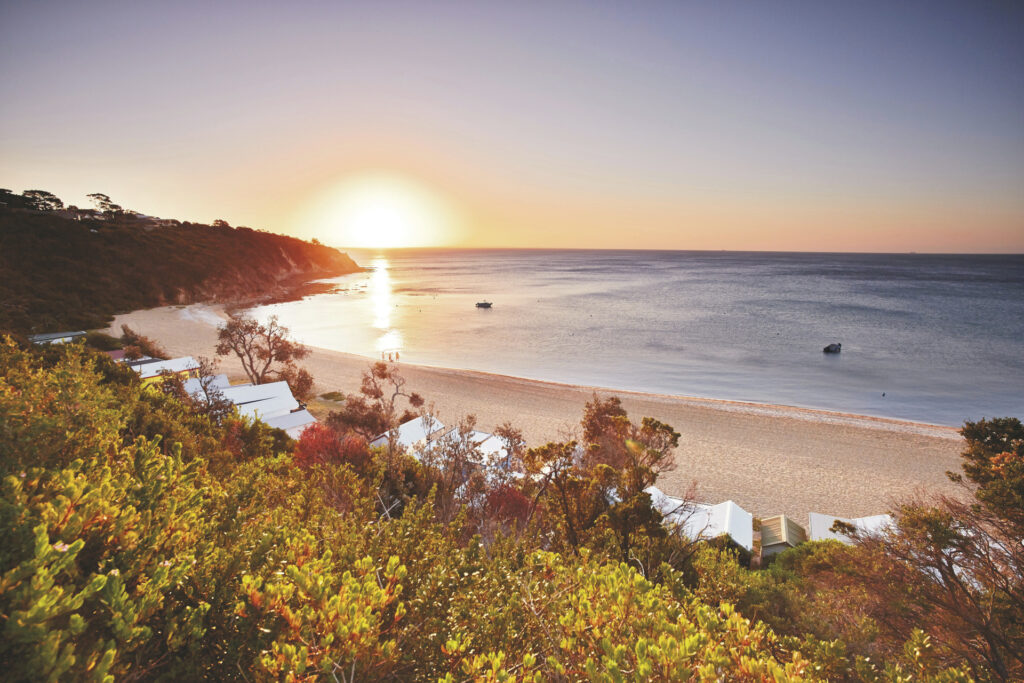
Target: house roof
x: 148, y: 369
x: 704, y: 521
x: 412, y: 432
x: 819, y: 526
x: 240, y: 394
x: 490, y: 447
x: 52, y: 336
x: 267, y: 408
x: 293, y: 423
x: 194, y: 387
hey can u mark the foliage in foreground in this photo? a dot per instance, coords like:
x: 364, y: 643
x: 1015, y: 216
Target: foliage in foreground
x: 142, y: 540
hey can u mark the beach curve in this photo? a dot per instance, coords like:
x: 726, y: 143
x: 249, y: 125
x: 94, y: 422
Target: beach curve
x: 770, y: 459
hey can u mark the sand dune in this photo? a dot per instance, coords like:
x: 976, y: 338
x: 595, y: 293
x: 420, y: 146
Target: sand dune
x: 769, y: 459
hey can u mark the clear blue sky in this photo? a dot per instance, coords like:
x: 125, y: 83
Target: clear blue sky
x: 775, y: 125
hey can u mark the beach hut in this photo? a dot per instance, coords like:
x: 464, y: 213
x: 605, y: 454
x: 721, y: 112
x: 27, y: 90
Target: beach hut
x: 272, y: 402
x: 820, y: 526
x: 490, y: 448
x: 242, y: 394
x: 56, y: 337
x: 293, y: 423
x: 702, y: 521
x: 412, y: 435
x: 194, y: 386
x: 778, y: 533
x: 150, y: 369
x: 277, y: 400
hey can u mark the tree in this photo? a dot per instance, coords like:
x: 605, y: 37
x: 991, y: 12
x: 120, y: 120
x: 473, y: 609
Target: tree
x: 299, y: 381
x: 994, y: 461
x: 14, y: 201
x: 956, y: 566
x: 378, y: 409
x: 554, y: 467
x: 451, y: 460
x: 515, y: 445
x: 41, y: 200
x: 266, y: 351
x: 207, y: 399
x: 641, y: 452
x: 104, y: 204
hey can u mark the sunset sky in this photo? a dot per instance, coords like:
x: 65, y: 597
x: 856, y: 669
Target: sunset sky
x: 814, y: 126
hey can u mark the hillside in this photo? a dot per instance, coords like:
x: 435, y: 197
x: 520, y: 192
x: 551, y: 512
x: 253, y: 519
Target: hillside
x: 62, y: 273
x: 144, y: 539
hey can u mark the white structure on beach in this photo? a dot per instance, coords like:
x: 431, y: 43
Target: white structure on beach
x: 56, y: 337
x: 293, y: 423
x: 412, y: 435
x: 262, y: 400
x: 701, y: 521
x: 490, y: 448
x: 194, y: 386
x: 272, y: 402
x: 819, y: 528
x: 150, y: 368
x: 427, y: 432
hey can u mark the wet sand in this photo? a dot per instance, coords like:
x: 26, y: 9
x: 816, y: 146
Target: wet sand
x: 769, y: 459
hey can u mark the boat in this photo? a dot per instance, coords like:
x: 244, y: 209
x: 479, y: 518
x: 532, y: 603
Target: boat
x: 483, y: 304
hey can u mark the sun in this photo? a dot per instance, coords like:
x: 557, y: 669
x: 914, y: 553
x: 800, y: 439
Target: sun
x: 380, y: 211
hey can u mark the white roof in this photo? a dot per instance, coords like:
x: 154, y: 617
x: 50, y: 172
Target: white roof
x: 194, y: 387
x: 293, y: 423
x: 270, y: 407
x: 412, y: 432
x: 819, y: 525
x: 148, y: 370
x: 490, y: 447
x: 703, y: 521
x: 55, y: 337
x: 248, y: 393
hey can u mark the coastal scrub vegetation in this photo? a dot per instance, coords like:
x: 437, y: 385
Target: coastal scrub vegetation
x: 70, y: 268
x: 143, y: 539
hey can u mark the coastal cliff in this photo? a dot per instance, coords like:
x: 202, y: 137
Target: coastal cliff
x: 62, y: 273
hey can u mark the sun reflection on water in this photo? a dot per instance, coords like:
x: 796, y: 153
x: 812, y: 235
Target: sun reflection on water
x: 381, y: 296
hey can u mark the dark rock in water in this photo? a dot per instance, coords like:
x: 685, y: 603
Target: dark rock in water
x: 833, y: 348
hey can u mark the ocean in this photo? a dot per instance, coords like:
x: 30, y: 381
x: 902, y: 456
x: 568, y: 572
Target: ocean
x: 929, y: 338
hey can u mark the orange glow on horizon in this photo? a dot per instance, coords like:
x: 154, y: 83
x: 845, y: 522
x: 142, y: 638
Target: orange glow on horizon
x: 380, y: 211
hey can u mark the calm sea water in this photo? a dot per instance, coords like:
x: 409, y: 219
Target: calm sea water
x: 937, y: 339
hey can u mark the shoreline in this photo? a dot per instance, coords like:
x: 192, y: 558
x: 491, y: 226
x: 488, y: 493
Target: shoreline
x: 753, y: 407
x: 770, y: 459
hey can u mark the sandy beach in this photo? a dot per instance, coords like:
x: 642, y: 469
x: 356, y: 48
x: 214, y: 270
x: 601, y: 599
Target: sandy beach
x: 769, y: 459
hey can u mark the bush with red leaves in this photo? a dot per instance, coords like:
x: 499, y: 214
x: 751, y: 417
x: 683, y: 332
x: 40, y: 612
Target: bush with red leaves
x: 508, y: 504
x: 319, y: 444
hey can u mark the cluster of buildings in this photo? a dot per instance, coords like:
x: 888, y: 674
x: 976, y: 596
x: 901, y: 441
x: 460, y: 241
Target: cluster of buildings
x: 273, y: 402
x: 703, y: 521
x: 699, y: 521
x: 425, y: 432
